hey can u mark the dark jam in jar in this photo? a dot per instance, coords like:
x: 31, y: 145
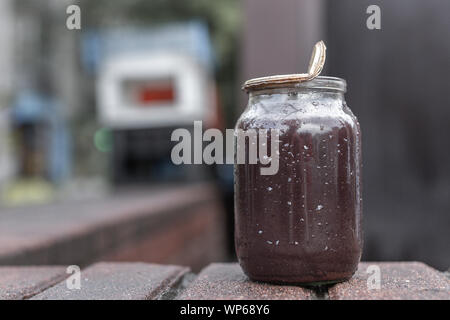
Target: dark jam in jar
x: 302, y: 224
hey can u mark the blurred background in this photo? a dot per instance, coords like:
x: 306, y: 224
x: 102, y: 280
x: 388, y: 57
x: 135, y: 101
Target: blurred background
x: 86, y: 117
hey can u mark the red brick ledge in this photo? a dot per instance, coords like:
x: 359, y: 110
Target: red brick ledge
x: 95, y: 230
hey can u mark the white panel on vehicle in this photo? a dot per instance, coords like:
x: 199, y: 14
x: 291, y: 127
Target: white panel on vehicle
x: 152, y: 90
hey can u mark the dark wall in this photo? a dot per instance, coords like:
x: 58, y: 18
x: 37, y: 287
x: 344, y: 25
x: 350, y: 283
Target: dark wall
x: 277, y: 37
x: 399, y: 88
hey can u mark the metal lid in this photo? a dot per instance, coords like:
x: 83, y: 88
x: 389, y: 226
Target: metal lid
x: 315, y: 67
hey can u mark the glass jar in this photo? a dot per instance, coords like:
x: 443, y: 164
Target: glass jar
x: 302, y: 224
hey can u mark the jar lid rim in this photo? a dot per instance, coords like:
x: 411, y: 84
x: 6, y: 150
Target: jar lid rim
x: 297, y: 80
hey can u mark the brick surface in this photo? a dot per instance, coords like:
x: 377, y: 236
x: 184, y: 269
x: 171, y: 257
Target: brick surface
x: 227, y: 281
x: 137, y: 281
x: 119, y: 281
x: 399, y: 280
x: 22, y: 282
